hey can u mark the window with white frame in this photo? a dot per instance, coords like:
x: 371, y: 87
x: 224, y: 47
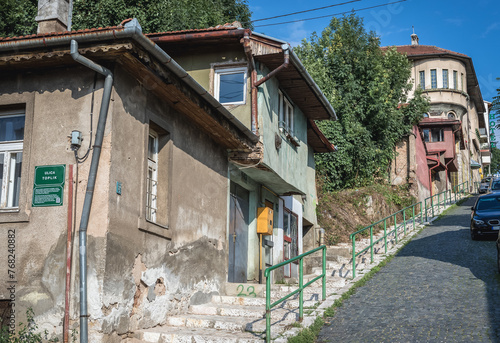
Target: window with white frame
x: 422, y: 79
x: 152, y: 177
x: 230, y: 85
x: 434, y: 79
x: 11, y: 157
x: 445, y: 78
x: 285, y: 114
x: 433, y: 135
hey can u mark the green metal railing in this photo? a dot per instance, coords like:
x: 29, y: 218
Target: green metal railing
x: 300, y: 290
x: 391, y: 219
x: 409, y: 214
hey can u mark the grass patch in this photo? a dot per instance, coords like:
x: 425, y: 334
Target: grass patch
x: 309, y: 334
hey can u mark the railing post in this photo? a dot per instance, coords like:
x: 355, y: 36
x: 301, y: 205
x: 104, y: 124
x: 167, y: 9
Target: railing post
x: 324, y: 272
x: 404, y: 221
x: 421, y: 214
x: 371, y: 243
x: 413, y: 211
x: 268, y: 309
x: 301, y: 293
x: 426, y: 211
x: 385, y: 234
x: 432, y: 206
x: 396, y: 228
x: 353, y: 256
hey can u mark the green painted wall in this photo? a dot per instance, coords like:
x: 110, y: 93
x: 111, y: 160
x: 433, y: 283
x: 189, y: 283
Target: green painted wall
x: 295, y: 165
x: 200, y: 67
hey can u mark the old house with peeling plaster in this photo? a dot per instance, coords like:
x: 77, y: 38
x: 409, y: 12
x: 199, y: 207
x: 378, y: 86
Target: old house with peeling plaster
x: 262, y: 82
x: 132, y: 189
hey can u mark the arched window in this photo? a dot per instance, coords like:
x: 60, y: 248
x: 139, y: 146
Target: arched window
x: 426, y: 115
x: 452, y: 115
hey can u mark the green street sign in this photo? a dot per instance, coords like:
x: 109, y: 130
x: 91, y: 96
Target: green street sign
x: 49, y: 175
x: 48, y: 196
x: 48, y: 188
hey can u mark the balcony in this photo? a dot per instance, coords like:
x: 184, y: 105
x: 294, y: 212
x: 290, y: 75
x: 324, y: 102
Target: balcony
x: 483, y: 135
x: 485, y: 146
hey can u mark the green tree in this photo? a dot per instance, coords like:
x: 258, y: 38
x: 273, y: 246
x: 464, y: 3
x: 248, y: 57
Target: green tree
x: 366, y: 85
x: 495, y: 161
x: 18, y: 17
x: 159, y: 16
x: 153, y: 15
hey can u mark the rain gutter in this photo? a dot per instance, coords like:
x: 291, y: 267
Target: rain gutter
x: 308, y: 79
x: 253, y: 79
x: 438, y: 163
x: 286, y: 61
x: 89, y: 194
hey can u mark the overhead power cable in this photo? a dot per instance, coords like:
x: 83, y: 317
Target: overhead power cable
x: 305, y: 11
x: 332, y: 15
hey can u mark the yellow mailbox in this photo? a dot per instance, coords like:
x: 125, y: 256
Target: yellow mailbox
x: 265, y: 221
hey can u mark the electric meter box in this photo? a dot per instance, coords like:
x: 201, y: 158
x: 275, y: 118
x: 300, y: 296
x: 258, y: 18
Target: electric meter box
x: 264, y: 221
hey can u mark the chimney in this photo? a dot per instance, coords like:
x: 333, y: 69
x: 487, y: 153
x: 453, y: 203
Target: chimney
x: 414, y: 38
x: 53, y: 15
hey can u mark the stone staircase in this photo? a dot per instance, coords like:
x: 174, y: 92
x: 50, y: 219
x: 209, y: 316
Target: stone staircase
x: 235, y: 318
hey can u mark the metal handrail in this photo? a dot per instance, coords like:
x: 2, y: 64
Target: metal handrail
x: 300, y: 290
x: 442, y: 198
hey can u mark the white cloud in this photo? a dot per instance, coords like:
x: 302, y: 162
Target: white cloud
x: 296, y: 33
x: 490, y: 28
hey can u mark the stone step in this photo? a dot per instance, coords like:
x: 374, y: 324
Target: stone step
x: 172, y: 334
x: 290, y: 303
x: 214, y: 309
x: 232, y: 324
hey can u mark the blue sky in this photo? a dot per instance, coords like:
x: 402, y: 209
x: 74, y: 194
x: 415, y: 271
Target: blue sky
x: 464, y: 26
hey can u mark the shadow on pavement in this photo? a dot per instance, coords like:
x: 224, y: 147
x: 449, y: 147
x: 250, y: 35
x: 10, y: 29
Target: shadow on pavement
x: 448, y: 240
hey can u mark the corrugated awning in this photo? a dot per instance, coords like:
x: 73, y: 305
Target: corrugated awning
x: 474, y: 164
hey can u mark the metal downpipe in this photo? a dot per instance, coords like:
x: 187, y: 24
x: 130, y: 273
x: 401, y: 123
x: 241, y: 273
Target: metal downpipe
x: 87, y: 203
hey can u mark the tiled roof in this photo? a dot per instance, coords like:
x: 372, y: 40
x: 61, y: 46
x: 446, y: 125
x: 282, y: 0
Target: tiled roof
x: 61, y: 34
x: 228, y: 26
x: 413, y: 50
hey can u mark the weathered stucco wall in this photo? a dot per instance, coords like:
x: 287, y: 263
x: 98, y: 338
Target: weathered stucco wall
x: 136, y: 275
x: 55, y: 105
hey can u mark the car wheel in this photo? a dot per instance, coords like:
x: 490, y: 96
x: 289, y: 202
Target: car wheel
x: 473, y: 235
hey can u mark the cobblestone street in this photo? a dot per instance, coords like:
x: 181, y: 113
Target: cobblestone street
x: 442, y: 287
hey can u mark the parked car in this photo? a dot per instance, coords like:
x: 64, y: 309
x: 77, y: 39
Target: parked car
x: 484, y: 185
x: 494, y: 186
x: 485, y: 216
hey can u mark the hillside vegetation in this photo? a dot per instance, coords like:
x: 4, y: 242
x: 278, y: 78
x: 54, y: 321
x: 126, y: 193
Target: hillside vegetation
x: 343, y: 212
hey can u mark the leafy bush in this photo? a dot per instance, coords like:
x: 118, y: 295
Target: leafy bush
x: 27, y: 332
